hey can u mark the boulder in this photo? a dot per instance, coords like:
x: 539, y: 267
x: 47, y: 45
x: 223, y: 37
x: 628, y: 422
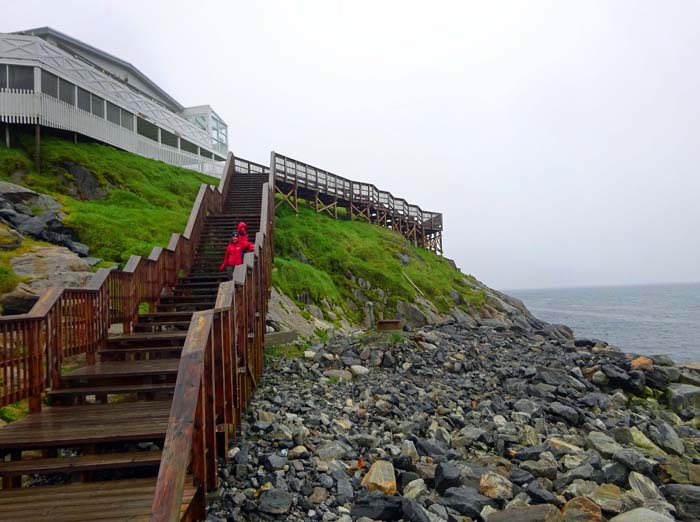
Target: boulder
x: 666, y: 437
x: 377, y: 506
x: 540, y: 513
x: 685, y: 498
x: 275, y: 502
x: 582, y: 509
x: 683, y: 396
x: 466, y: 501
x: 18, y: 301
x: 641, y: 515
x: 411, y: 315
x: 603, y: 444
x: 380, y: 477
x: 496, y: 486
x: 84, y: 184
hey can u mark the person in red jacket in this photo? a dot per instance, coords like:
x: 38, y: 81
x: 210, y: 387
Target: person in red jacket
x: 234, y: 254
x: 242, y: 231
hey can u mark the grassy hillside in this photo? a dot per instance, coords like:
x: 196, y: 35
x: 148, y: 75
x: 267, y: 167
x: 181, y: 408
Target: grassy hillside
x: 146, y: 200
x: 318, y: 256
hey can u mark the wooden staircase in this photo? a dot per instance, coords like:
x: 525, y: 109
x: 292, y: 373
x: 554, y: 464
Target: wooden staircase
x: 105, y: 429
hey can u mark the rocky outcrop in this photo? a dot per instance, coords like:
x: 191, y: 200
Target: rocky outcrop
x: 284, y: 314
x: 38, y: 216
x: 42, y: 268
x: 489, y: 422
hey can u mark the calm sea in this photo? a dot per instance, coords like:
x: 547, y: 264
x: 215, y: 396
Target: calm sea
x: 647, y: 319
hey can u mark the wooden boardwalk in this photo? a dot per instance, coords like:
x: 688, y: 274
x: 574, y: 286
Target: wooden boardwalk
x: 328, y: 192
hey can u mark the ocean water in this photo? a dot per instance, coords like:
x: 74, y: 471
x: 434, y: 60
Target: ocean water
x: 646, y: 319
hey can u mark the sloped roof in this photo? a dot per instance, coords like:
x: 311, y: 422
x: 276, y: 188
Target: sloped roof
x: 59, y: 36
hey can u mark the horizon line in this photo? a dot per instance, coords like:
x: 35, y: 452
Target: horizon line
x: 613, y: 285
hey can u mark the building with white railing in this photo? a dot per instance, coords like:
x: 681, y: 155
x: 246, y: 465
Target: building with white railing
x: 52, y: 80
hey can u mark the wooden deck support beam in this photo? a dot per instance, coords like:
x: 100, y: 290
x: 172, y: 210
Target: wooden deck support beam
x: 291, y: 197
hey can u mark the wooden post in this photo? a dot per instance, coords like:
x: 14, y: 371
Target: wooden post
x: 7, y: 135
x: 37, y: 149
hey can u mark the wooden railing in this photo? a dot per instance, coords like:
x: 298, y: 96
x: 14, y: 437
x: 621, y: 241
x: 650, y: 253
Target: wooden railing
x: 221, y: 363
x: 75, y: 321
x: 296, y: 173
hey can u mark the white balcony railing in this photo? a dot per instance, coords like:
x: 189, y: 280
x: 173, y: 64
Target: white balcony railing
x: 27, y: 107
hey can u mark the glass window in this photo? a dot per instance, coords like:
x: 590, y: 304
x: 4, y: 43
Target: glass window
x: 49, y: 83
x: 3, y: 76
x: 20, y: 77
x: 66, y: 91
x: 168, y: 138
x: 83, y: 98
x: 188, y: 146
x: 127, y: 120
x: 201, y: 122
x: 98, y: 106
x: 205, y: 154
x: 146, y: 129
x: 112, y: 113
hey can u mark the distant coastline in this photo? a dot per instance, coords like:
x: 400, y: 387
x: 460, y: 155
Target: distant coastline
x: 649, y: 319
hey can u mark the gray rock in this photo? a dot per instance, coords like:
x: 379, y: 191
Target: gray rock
x: 634, y: 461
x: 466, y: 501
x: 667, y: 438
x: 685, y: 498
x: 447, y: 475
x: 413, y: 511
x: 332, y: 450
x: 541, y: 513
x: 33, y: 227
x: 275, y: 502
x: 683, y: 396
x: 85, y: 184
x: 377, y: 506
x: 641, y: 515
x: 411, y: 315
x: 603, y: 444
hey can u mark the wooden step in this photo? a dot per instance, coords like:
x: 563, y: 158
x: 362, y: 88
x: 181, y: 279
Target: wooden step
x: 146, y: 336
x: 187, y: 299
x: 111, y: 390
x: 42, y: 466
x: 139, y: 352
x: 112, y: 369
x: 156, y: 317
x: 62, y: 427
x: 110, y: 501
x: 158, y: 326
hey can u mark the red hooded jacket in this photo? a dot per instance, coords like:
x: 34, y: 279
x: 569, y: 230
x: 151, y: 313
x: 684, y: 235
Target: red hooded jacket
x: 242, y: 231
x: 234, y: 253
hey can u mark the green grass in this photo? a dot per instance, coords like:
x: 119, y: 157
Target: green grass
x: 337, y: 248
x: 14, y: 411
x: 8, y: 279
x: 287, y: 351
x: 146, y: 200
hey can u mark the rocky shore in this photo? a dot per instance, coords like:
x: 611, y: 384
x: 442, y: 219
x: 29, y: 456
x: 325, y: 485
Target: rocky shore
x: 456, y: 423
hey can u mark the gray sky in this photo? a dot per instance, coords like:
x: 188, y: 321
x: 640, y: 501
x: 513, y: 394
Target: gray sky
x: 560, y: 139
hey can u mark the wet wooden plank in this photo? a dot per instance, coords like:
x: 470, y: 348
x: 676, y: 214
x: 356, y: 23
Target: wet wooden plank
x: 119, y: 500
x: 60, y: 427
x: 124, y: 369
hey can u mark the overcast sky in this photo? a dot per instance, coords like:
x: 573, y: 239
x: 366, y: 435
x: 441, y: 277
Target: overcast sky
x: 560, y: 139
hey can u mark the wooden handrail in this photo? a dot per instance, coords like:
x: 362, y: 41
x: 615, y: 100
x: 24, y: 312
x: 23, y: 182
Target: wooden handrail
x: 348, y: 189
x: 181, y: 424
x: 220, y: 342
